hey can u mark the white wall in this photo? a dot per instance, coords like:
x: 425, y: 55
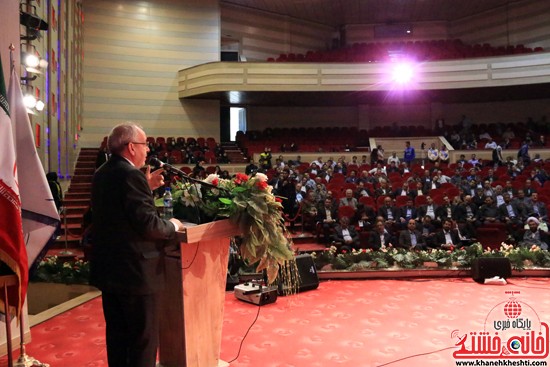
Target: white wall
x: 132, y: 53
x: 262, y: 35
x: 522, y: 22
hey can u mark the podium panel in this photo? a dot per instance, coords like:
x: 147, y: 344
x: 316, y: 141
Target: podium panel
x: 193, y: 301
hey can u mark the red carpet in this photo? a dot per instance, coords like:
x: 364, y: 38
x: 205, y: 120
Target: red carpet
x: 343, y: 323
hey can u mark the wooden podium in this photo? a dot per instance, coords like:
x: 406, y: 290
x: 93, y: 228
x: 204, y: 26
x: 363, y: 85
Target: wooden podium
x: 193, y: 301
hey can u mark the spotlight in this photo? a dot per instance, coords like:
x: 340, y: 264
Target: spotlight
x: 402, y: 73
x: 29, y: 100
x: 31, y: 60
x: 40, y: 105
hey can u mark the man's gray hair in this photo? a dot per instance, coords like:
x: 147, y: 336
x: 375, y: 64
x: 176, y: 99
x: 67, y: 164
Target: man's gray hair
x: 121, y: 135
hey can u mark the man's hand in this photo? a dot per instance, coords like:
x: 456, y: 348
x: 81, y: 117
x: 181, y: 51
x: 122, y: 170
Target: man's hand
x: 155, y: 178
x: 179, y: 224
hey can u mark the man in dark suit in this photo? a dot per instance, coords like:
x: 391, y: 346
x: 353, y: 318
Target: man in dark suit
x: 326, y: 218
x: 536, y: 208
x: 447, y: 237
x: 127, y: 262
x: 345, y: 237
x: 380, y: 237
x: 411, y: 238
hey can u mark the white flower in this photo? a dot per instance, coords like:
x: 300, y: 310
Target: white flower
x: 262, y: 177
x: 211, y: 177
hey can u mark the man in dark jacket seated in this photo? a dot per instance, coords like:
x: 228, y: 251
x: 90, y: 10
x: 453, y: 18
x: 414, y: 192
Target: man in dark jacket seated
x: 380, y: 237
x: 447, y: 238
x: 411, y: 238
x: 345, y: 237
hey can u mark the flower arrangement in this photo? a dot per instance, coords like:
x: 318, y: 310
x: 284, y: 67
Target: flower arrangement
x: 247, y: 202
x: 387, y: 257
x: 53, y: 269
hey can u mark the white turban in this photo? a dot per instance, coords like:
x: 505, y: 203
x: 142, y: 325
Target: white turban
x: 533, y: 219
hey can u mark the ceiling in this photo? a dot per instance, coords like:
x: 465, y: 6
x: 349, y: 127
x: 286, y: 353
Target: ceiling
x: 346, y: 12
x: 336, y: 13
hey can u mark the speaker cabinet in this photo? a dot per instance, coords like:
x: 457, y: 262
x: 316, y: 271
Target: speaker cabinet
x: 307, y: 276
x: 489, y: 267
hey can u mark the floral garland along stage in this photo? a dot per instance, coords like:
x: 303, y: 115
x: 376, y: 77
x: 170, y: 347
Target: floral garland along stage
x: 247, y: 202
x: 366, y: 259
x: 53, y: 269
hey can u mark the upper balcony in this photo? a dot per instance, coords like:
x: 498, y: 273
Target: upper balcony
x: 492, y: 78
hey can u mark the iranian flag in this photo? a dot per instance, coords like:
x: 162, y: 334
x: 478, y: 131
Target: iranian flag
x: 40, y: 216
x: 12, y: 247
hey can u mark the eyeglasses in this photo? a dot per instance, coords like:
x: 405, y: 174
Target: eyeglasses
x: 135, y: 142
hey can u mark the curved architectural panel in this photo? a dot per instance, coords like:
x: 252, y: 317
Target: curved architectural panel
x: 317, y: 77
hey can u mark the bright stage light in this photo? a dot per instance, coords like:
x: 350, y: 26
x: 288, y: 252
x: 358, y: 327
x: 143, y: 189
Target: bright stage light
x: 29, y: 101
x: 31, y: 60
x: 402, y: 73
x: 39, y: 105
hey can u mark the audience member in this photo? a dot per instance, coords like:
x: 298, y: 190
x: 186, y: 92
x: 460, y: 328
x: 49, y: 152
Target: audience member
x: 447, y: 238
x: 345, y: 237
x: 411, y: 238
x: 380, y: 237
x: 534, y: 236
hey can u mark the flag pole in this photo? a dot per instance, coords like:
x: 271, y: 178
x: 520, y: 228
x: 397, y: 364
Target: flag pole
x: 24, y: 360
x: 12, y: 60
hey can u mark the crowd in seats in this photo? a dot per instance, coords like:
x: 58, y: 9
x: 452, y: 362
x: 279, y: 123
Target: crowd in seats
x: 467, y: 135
x: 382, y: 208
x: 330, y: 139
x: 202, y: 152
x: 432, y: 50
x: 187, y: 150
x: 462, y: 136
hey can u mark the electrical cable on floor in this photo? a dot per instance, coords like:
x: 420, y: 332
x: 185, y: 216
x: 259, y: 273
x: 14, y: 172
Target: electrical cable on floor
x: 415, y: 355
x: 245, y: 335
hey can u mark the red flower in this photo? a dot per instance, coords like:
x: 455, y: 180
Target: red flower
x: 240, y: 178
x: 278, y: 199
x: 261, y: 185
x: 215, y: 182
x: 344, y: 252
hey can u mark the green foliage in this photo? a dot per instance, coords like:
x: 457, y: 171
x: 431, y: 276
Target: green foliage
x: 247, y: 202
x: 54, y: 270
x: 366, y: 259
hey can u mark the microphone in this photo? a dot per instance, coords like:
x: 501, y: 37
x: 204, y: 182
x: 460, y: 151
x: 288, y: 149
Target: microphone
x: 173, y: 170
x: 167, y: 167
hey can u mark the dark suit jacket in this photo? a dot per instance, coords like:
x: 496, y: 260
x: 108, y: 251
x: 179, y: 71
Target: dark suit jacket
x: 503, y: 211
x: 403, y: 212
x: 405, y: 239
x: 383, y: 212
x: 375, y: 243
x: 322, y: 214
x: 338, y: 237
x: 440, y: 238
x: 530, y: 210
x: 128, y: 234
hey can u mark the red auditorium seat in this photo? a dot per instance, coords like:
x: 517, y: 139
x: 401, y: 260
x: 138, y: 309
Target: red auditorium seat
x: 368, y: 200
x: 346, y: 211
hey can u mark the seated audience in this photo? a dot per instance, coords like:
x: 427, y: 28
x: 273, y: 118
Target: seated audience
x: 534, y: 236
x: 447, y: 238
x: 380, y: 237
x: 345, y: 237
x: 411, y: 238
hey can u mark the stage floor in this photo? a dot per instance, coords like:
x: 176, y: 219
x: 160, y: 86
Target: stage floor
x: 355, y: 323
